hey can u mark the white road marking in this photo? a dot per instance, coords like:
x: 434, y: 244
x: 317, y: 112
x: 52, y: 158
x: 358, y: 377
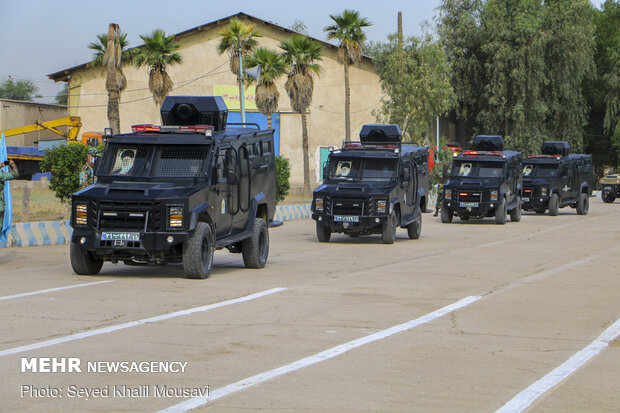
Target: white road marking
x: 117, y: 327
x: 524, y: 399
x: 49, y: 290
x: 317, y: 358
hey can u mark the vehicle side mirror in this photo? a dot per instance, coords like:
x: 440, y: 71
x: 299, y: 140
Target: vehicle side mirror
x: 325, y: 171
x: 406, y: 174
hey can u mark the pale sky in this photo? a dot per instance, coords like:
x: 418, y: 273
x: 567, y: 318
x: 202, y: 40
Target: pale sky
x: 39, y: 37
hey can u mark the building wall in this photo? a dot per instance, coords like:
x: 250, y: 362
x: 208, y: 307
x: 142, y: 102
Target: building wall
x: 202, y: 68
x: 15, y: 113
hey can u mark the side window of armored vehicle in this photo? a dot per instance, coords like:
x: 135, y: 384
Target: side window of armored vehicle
x: 220, y: 165
x: 266, y: 147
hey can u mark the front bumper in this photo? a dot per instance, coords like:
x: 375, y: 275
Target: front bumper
x: 535, y: 202
x: 365, y: 224
x: 463, y: 208
x: 150, y: 244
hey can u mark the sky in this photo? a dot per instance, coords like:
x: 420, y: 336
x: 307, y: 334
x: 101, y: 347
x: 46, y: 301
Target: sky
x: 40, y: 37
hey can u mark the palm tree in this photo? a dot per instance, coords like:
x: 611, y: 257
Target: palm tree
x: 158, y: 52
x: 272, y: 66
x: 238, y: 39
x: 301, y: 55
x: 347, y: 28
x: 109, y: 54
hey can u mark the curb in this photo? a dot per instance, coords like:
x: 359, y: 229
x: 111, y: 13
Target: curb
x: 28, y: 234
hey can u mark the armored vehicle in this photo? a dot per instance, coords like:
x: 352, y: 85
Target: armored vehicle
x: 175, y: 193
x: 556, y: 179
x: 373, y: 186
x: 484, y: 182
x: 610, y: 188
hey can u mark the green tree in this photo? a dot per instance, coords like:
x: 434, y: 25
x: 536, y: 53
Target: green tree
x: 302, y: 56
x: 62, y: 97
x: 347, y: 29
x: 238, y: 39
x: 100, y: 47
x: 283, y: 173
x: 158, y: 52
x: 18, y: 90
x: 272, y: 66
x: 569, y: 59
x: 65, y: 163
x: 416, y: 83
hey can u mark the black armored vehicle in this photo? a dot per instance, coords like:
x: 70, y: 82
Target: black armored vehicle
x: 373, y: 186
x: 556, y: 179
x: 484, y: 182
x: 175, y: 193
x: 610, y: 188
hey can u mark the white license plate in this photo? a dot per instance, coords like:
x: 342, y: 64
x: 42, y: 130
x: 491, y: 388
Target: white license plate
x: 346, y: 218
x: 124, y: 236
x: 526, y: 199
x: 607, y: 188
x: 468, y: 204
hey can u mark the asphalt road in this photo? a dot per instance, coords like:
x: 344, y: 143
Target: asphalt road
x: 468, y: 318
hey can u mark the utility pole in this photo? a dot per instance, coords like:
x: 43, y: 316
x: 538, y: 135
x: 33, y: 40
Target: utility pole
x: 241, y: 93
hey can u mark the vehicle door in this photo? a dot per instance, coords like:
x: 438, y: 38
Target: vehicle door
x: 222, y: 218
x: 409, y: 183
x: 244, y: 189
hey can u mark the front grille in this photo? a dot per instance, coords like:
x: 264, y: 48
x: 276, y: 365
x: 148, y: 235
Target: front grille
x: 469, y: 196
x: 349, y: 206
x: 534, y: 192
x: 132, y: 216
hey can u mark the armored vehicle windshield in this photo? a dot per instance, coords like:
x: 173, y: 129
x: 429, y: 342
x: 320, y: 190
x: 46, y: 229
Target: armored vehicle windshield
x: 477, y: 169
x: 153, y: 161
x: 540, y: 170
x: 361, y: 169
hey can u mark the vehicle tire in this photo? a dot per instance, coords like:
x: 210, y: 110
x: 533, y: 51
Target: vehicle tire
x: 198, y: 252
x: 255, y: 249
x: 515, y: 214
x: 446, y: 215
x: 414, y: 229
x: 388, y: 234
x: 583, y: 205
x: 323, y: 233
x: 500, y: 213
x: 554, y: 205
x: 83, y: 262
x: 608, y: 199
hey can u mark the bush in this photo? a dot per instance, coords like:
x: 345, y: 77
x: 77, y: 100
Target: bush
x: 283, y: 173
x: 65, y: 163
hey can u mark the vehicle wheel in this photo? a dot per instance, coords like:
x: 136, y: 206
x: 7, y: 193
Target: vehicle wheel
x: 446, y: 215
x: 256, y: 248
x: 500, y: 213
x: 323, y: 233
x: 414, y: 229
x: 389, y: 229
x: 608, y: 199
x: 198, y: 252
x: 583, y: 205
x: 515, y: 214
x: 83, y: 262
x: 554, y: 205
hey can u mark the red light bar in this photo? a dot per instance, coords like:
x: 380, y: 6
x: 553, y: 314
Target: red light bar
x: 483, y: 153
x: 528, y: 190
x: 545, y: 156
x: 145, y: 128
x: 463, y: 194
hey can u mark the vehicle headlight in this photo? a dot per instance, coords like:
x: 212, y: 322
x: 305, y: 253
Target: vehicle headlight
x: 448, y: 194
x: 543, y: 191
x: 494, y: 196
x: 175, y: 216
x: 318, y: 204
x: 381, y: 206
x: 81, y: 215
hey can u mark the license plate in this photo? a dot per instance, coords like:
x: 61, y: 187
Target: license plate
x: 526, y: 199
x: 124, y: 236
x: 469, y: 204
x: 346, y: 218
x: 607, y: 188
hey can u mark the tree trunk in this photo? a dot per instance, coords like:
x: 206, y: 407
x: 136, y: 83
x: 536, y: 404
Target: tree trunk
x: 269, y: 121
x: 113, y: 112
x: 305, y: 147
x: 347, y: 104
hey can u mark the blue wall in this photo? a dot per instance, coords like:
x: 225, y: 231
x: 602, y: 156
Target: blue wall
x: 261, y: 119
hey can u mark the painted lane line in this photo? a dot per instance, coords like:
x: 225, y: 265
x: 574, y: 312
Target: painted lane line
x: 109, y: 329
x: 524, y: 399
x: 49, y: 290
x: 316, y: 358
